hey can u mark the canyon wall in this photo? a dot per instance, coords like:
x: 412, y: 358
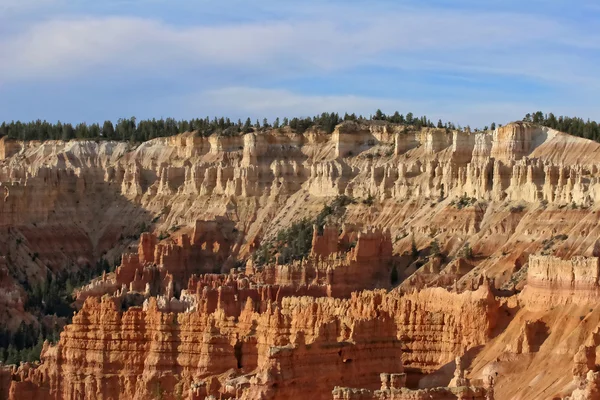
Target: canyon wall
x: 100, y: 193
x: 107, y: 353
x: 552, y: 281
x: 481, y: 245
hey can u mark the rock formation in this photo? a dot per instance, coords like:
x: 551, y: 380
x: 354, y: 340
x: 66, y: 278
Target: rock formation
x: 110, y: 353
x: 465, y: 266
x: 552, y: 281
x: 393, y: 387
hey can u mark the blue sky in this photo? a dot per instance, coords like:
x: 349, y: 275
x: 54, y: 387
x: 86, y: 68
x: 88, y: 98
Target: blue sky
x: 471, y: 62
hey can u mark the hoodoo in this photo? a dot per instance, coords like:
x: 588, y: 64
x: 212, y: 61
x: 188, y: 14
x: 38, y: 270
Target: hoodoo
x: 380, y: 261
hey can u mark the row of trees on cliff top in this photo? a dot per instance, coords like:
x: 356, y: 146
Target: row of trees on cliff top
x: 574, y: 126
x: 139, y: 131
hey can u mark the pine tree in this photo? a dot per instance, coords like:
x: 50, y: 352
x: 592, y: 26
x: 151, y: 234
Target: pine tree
x: 247, y: 126
x: 37, y: 349
x: 394, y: 278
x: 69, y: 287
x: 467, y: 252
x: 435, y: 248
x: 397, y: 118
x: 67, y: 132
x: 12, y: 355
x: 413, y: 248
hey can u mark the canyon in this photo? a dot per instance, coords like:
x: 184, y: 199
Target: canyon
x: 442, y: 264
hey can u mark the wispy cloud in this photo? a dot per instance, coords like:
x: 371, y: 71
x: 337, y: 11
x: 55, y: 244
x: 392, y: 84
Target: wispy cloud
x: 274, y: 43
x: 281, y: 102
x: 412, y: 39
x: 241, y: 102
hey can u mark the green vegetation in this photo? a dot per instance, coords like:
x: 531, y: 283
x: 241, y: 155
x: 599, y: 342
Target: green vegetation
x: 434, y: 247
x: 294, y: 243
x: 463, y: 202
x: 25, y: 344
x: 138, y: 131
x: 163, y: 236
x: 572, y: 125
x: 394, y: 276
x: 517, y: 209
x: 350, y: 245
x: 369, y: 201
x: 52, y: 297
x: 410, y: 119
x: 336, y: 209
x: 129, y: 129
x: 159, y: 392
x: 414, y: 250
x: 400, y: 236
x: 467, y: 252
x: 549, y: 243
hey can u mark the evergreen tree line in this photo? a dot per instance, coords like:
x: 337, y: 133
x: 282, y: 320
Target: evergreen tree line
x: 26, y: 343
x: 139, y: 131
x: 52, y: 297
x: 571, y: 125
x: 410, y: 119
x: 295, y: 243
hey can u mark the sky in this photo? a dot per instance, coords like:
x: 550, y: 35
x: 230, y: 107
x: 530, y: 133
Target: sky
x: 471, y: 62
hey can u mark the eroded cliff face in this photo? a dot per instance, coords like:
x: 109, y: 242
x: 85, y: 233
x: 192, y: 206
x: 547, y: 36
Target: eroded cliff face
x: 547, y: 347
x: 234, y: 335
x: 96, y: 192
x: 303, y: 346
x: 477, y: 245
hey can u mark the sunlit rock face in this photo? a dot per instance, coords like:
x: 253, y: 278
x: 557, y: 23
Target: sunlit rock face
x: 476, y: 245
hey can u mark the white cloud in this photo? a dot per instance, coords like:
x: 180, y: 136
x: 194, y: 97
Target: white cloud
x: 317, y: 41
x: 280, y: 102
x: 259, y: 102
x: 410, y: 39
x: 64, y: 47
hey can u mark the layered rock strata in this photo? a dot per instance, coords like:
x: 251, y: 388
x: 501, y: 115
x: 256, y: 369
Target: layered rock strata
x: 301, y: 346
x: 334, y: 268
x: 552, y: 281
x: 100, y: 195
x: 393, y: 387
x: 182, y: 319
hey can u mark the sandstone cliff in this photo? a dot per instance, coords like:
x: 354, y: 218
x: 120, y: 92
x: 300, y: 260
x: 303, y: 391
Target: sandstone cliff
x: 99, y: 194
x: 464, y: 221
x: 107, y: 353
